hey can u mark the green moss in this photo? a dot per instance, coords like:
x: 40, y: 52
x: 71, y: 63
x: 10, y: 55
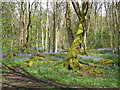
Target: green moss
x: 77, y: 40
x: 9, y: 56
x: 110, y: 62
x: 82, y: 13
x: 47, y: 62
x: 80, y: 26
x: 37, y: 57
x: 80, y: 30
x: 95, y: 72
x: 106, y: 62
x: 55, y: 59
x: 40, y: 55
x: 91, y: 64
x: 5, y: 68
x: 28, y: 63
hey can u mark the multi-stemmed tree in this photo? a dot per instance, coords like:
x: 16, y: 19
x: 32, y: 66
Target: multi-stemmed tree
x: 71, y: 61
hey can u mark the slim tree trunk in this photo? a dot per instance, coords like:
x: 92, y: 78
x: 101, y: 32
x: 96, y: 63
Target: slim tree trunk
x: 37, y: 37
x: 95, y: 30
x: 68, y: 24
x: 117, y: 15
x: 54, y: 29
x: 47, y: 23
x: 25, y: 26
x: 102, y: 44
x: 108, y: 19
x: 43, y: 47
x: 88, y: 25
x: 21, y: 26
x: 112, y: 29
x: 87, y: 31
x: 96, y: 23
x: 28, y: 23
x: 11, y: 45
x: 12, y: 29
x: 37, y: 31
x: 85, y: 41
x: 49, y: 44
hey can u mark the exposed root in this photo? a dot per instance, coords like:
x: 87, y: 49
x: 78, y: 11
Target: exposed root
x: 73, y: 65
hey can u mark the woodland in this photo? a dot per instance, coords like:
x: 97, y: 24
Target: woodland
x: 60, y: 44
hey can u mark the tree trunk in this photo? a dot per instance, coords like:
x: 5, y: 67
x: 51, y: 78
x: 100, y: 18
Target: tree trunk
x: 71, y: 61
x: 102, y: 44
x: 37, y: 37
x: 116, y: 27
x: 37, y: 31
x: 21, y: 27
x: 27, y: 21
x: 49, y: 44
x: 68, y: 25
x: 112, y: 29
x: 108, y: 19
x: 25, y: 26
x: 54, y: 29
x: 43, y: 47
x: 117, y: 24
x: 47, y: 23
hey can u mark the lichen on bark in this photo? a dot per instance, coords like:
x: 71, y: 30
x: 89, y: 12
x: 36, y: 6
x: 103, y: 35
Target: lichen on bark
x: 71, y: 61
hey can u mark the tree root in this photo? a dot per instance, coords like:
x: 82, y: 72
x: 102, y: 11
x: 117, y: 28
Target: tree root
x: 73, y: 65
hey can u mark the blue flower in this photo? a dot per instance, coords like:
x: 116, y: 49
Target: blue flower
x: 89, y: 56
x: 51, y: 53
x: 101, y: 49
x: 24, y: 54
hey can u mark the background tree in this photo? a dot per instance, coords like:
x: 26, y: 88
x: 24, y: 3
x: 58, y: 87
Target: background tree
x: 68, y: 24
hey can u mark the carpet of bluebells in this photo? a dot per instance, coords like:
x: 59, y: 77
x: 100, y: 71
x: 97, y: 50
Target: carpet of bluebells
x: 47, y: 68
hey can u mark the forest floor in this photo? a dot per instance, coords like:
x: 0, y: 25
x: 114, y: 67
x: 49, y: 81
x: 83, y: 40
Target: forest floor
x: 16, y: 81
x: 44, y: 74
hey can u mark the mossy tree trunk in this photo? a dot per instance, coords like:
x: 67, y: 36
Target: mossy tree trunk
x: 68, y: 24
x: 71, y: 61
